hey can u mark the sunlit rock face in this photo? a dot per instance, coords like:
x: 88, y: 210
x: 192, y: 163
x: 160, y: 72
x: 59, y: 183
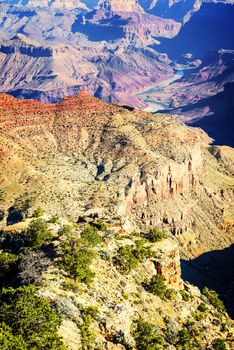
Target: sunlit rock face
x: 137, y: 169
x: 56, y: 4
x: 120, y: 5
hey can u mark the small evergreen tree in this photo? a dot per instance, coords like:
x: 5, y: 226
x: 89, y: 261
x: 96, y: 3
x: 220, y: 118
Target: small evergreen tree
x: 146, y: 336
x: 37, y: 234
x: 30, y: 317
x: 156, y: 235
x: 157, y: 286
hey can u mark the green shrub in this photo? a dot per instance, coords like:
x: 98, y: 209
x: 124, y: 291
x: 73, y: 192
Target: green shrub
x: 66, y: 230
x: 185, y: 340
x: 77, y: 264
x: 141, y: 251
x: 38, y: 212
x: 157, y: 286
x: 198, y: 316
x: 30, y: 317
x: 170, y: 294
x: 202, y: 307
x: 146, y: 336
x: 90, y: 235
x: 75, y: 258
x: 87, y: 337
x: 214, y: 300
x: 7, y: 263
x: 37, y: 234
x: 54, y: 219
x: 156, y: 235
x: 8, y: 341
x: 128, y: 257
x: 101, y: 226
x: 219, y: 344
x: 92, y: 311
x: 185, y: 295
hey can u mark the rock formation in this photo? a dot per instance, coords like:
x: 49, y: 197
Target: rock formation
x: 204, y: 97
x: 26, y: 63
x: 143, y: 170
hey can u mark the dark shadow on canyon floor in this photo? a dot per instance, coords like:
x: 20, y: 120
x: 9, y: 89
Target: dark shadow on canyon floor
x: 214, y: 270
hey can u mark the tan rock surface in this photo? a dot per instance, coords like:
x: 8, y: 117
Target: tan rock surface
x: 84, y: 156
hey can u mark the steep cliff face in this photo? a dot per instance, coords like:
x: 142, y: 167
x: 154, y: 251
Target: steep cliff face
x: 120, y: 6
x: 56, y: 4
x: 176, y: 9
x: 92, y: 158
x: 50, y: 72
x: 204, y: 97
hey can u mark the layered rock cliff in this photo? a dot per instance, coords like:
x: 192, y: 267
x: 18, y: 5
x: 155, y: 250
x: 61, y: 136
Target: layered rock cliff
x: 50, y: 72
x: 92, y: 158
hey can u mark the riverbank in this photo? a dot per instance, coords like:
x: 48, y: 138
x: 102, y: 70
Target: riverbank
x: 153, y: 105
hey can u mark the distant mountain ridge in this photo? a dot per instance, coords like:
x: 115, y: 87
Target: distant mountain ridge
x: 114, y: 49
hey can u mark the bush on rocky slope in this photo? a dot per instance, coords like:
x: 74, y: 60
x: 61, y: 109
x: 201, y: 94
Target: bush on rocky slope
x: 25, y: 315
x: 157, y: 286
x: 156, y: 235
x: 98, y: 313
x: 146, y: 336
x: 76, y: 256
x: 128, y: 257
x: 214, y: 300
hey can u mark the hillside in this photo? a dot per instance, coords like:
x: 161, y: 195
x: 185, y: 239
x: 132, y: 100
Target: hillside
x: 124, y: 194
x: 83, y: 156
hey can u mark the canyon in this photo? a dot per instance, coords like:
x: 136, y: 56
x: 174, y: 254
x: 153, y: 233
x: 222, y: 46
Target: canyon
x: 116, y: 146
x: 141, y: 169
x: 83, y: 159
x: 115, y: 50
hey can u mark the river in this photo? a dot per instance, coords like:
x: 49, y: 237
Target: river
x: 152, y: 104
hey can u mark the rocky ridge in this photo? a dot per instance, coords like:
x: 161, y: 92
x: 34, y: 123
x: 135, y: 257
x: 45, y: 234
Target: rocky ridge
x: 50, y: 72
x: 116, y: 301
x: 141, y: 169
x: 204, y: 97
x: 90, y: 162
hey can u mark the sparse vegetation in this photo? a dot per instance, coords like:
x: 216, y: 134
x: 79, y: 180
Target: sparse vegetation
x: 100, y: 225
x: 54, y: 219
x: 214, y: 300
x: 219, y: 344
x: 25, y: 256
x: 66, y: 230
x: 24, y: 315
x: 75, y: 258
x: 38, y: 212
x: 157, y: 286
x: 202, y: 307
x: 170, y: 294
x: 87, y: 337
x: 185, y: 340
x: 146, y: 336
x: 185, y: 295
x: 128, y: 257
x: 156, y: 235
x: 90, y: 235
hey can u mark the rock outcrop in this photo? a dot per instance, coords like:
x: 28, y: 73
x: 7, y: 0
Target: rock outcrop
x: 24, y: 64
x: 88, y: 157
x: 204, y: 98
